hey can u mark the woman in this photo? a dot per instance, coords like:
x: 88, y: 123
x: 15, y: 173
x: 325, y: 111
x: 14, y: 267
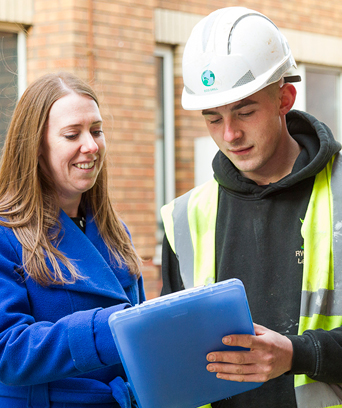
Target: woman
x: 66, y: 261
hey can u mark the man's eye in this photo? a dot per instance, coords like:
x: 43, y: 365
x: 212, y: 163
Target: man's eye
x: 212, y: 122
x: 247, y: 113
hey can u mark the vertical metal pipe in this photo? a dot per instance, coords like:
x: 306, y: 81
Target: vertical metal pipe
x: 91, y: 59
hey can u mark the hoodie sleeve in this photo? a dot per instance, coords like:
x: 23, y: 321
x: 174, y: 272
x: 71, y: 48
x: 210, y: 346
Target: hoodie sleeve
x: 318, y: 354
x: 172, y: 281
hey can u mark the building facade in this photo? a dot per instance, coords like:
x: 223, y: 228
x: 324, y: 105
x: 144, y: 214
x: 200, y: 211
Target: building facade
x: 131, y: 51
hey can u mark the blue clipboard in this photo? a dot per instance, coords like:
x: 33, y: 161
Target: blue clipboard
x: 163, y: 344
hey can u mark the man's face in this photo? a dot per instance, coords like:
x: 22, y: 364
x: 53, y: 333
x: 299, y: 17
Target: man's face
x: 250, y: 132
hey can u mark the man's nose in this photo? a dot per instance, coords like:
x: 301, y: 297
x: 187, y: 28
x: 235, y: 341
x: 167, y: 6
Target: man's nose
x: 231, y: 131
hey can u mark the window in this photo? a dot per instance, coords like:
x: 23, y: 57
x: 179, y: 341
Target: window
x: 12, y: 75
x: 319, y: 94
x: 164, y: 147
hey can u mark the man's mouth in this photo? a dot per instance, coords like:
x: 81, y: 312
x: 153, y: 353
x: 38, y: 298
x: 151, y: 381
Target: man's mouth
x: 89, y: 165
x: 241, y: 151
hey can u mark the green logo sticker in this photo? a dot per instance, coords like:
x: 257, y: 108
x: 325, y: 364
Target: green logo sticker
x: 208, y: 78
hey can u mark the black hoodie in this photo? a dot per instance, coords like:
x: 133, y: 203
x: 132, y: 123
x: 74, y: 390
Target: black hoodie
x: 258, y: 240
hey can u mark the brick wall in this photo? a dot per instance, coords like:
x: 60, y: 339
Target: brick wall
x: 304, y: 15
x: 323, y: 17
x: 111, y: 44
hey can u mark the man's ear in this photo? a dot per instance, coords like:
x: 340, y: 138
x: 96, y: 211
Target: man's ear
x: 288, y: 94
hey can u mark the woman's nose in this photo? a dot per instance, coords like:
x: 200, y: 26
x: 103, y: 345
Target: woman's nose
x: 88, y: 144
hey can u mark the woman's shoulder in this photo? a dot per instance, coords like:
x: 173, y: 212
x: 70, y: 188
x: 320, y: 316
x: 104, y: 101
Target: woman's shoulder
x: 10, y: 247
x: 7, y: 235
x: 5, y: 230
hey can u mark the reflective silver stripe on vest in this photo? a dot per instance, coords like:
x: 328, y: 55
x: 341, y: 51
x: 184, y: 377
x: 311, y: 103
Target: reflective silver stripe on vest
x: 324, y: 301
x: 183, y: 242
x: 336, y: 186
x: 306, y: 395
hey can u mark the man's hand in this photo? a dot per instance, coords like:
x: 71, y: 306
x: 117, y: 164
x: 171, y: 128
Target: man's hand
x: 270, y: 355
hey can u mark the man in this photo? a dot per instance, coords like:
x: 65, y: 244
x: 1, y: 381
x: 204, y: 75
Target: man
x: 274, y: 197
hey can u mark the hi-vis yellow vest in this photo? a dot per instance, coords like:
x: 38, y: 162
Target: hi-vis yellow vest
x: 190, y: 222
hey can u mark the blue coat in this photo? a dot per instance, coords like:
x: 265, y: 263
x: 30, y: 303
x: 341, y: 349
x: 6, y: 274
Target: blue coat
x: 55, y: 341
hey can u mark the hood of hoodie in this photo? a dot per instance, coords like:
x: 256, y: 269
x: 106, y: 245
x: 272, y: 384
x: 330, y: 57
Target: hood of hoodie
x: 318, y: 146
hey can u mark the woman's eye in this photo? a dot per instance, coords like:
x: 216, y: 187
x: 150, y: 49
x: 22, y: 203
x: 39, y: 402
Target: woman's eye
x: 97, y: 132
x: 71, y: 137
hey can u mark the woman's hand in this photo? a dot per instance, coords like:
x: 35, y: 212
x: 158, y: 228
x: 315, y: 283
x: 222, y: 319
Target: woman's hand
x: 270, y: 356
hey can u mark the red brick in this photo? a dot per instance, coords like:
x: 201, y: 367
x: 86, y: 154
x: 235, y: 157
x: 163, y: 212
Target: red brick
x: 125, y: 79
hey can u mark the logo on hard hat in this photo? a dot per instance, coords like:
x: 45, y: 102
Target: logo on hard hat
x: 208, y: 78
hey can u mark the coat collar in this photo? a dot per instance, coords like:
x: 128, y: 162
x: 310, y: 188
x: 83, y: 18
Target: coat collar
x: 102, y: 275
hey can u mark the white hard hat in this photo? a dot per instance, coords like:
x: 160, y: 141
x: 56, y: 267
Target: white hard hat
x: 231, y: 54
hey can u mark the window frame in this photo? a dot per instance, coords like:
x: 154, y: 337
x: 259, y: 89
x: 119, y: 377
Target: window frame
x: 169, y: 120
x: 21, y: 52
x: 300, y: 103
x: 167, y: 191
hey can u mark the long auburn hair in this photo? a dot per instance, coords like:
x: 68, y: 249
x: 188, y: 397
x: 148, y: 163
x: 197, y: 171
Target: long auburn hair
x: 28, y: 199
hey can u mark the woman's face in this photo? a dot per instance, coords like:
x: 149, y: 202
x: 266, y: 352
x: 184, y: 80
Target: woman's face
x: 73, y: 148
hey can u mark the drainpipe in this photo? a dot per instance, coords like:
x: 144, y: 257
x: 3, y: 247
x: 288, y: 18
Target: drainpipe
x: 90, y: 53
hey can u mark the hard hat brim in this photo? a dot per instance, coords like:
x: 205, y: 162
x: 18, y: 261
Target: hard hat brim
x: 200, y: 102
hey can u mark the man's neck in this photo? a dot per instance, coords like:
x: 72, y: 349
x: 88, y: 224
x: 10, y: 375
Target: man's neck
x: 282, y: 166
